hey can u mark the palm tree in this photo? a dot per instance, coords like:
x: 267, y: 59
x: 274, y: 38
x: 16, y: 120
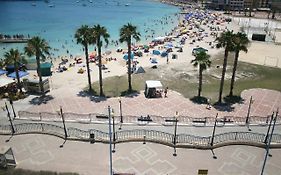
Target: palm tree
x: 225, y: 40
x: 99, y: 33
x: 83, y: 36
x: 127, y: 32
x: 201, y: 59
x: 38, y: 47
x: 240, y: 41
x: 16, y: 58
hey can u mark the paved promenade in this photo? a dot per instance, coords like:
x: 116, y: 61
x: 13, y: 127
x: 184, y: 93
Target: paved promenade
x: 42, y: 152
x: 265, y: 102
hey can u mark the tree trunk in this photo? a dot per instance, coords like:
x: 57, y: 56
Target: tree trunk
x: 233, y: 73
x: 100, y: 69
x: 200, y: 81
x: 39, y: 73
x: 223, y: 74
x: 18, y: 77
x: 88, y: 68
x: 129, y: 67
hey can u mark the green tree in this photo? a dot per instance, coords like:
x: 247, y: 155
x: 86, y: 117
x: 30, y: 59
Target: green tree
x: 225, y: 40
x: 100, y: 33
x: 202, y: 59
x: 16, y: 58
x: 127, y: 32
x: 84, y: 37
x: 38, y: 47
x: 240, y: 41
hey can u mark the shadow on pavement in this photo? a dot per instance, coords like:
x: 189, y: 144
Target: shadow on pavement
x: 131, y: 94
x: 92, y: 96
x: 234, y: 99
x: 41, y: 100
x: 199, y: 100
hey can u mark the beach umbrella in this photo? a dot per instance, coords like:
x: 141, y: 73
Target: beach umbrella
x: 146, y: 47
x: 156, y: 52
x: 153, y: 61
x: 125, y: 57
x: 21, y: 74
x: 164, y: 54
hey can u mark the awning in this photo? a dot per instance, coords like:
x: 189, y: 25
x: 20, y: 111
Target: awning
x: 21, y: 74
x: 153, y: 84
x: 4, y: 81
x: 2, y: 72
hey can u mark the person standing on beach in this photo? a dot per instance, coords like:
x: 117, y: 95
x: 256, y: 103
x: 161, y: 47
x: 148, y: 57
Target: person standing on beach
x: 165, y: 92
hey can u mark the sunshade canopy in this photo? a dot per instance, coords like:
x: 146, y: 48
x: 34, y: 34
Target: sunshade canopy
x: 4, y: 81
x: 2, y: 72
x: 21, y: 74
x: 153, y: 84
x: 126, y: 56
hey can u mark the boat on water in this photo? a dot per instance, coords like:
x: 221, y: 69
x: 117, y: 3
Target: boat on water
x: 77, y: 1
x: 51, y: 5
x: 90, y: 1
x: 33, y: 4
x: 127, y: 4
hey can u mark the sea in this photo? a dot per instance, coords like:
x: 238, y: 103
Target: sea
x: 56, y: 21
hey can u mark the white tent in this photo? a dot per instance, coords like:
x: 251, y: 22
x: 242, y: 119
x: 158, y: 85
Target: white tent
x: 151, y: 87
x: 139, y: 70
x: 4, y: 81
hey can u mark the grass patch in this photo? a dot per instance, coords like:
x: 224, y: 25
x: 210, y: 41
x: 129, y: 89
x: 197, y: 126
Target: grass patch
x: 185, y: 81
x: 16, y: 171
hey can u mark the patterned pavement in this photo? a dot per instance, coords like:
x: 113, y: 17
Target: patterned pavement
x: 265, y: 102
x: 43, y: 152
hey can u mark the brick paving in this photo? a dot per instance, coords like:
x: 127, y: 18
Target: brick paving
x: 265, y: 102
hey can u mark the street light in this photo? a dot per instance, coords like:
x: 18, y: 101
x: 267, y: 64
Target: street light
x: 120, y: 110
x: 248, y: 114
x: 11, y: 103
x: 269, y: 142
x: 110, y: 140
x: 175, y: 133
x: 9, y: 116
x: 213, y: 136
x: 113, y: 126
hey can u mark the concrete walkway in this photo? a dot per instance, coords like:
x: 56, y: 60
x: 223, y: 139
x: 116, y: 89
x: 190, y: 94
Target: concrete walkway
x: 42, y: 152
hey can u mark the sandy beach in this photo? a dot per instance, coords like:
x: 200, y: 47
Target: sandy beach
x: 263, y: 53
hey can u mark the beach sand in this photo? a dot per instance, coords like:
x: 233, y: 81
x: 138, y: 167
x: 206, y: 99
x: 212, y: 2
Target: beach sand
x: 258, y: 51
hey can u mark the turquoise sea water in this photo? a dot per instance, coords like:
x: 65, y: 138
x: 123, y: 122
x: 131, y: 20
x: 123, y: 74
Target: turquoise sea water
x: 58, y: 24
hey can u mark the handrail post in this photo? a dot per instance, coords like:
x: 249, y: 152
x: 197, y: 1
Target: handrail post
x: 9, y: 116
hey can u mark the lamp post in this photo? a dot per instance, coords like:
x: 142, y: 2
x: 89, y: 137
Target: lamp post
x: 175, y: 132
x: 269, y: 126
x: 269, y: 142
x: 9, y: 116
x: 11, y: 103
x: 63, y: 122
x: 120, y: 110
x: 248, y: 113
x: 214, y: 130
x: 113, y: 126
x: 110, y: 141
